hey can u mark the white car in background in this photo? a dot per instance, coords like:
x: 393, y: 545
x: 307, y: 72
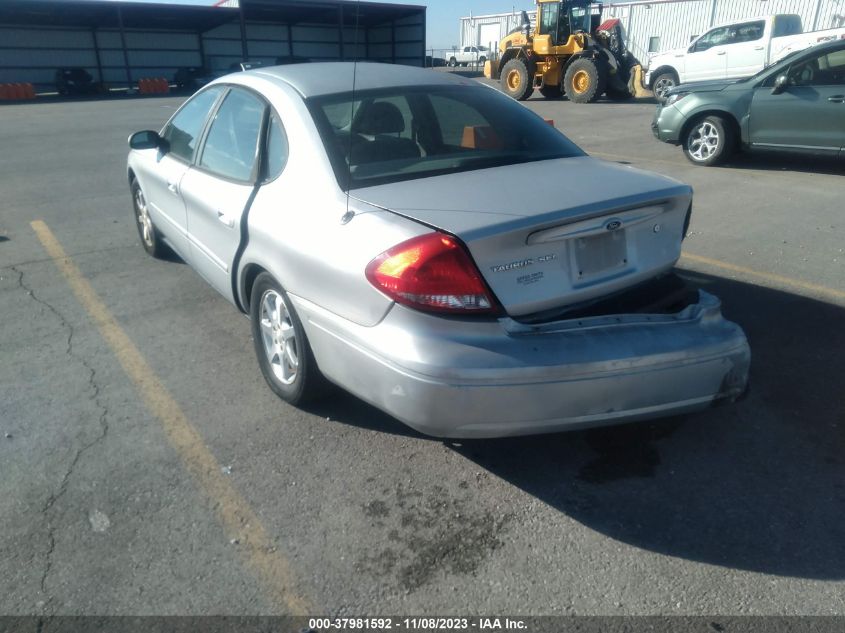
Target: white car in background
x: 733, y: 51
x: 469, y: 55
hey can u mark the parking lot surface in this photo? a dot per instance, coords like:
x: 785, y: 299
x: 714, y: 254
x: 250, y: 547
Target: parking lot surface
x: 147, y: 469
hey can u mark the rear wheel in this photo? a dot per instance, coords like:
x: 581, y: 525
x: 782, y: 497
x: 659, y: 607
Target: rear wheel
x: 709, y: 141
x: 551, y: 92
x: 150, y: 237
x: 517, y: 79
x: 281, y: 346
x: 584, y: 81
x: 453, y: 62
x: 662, y: 84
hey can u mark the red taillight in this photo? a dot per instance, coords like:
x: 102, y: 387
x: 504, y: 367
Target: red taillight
x: 432, y: 272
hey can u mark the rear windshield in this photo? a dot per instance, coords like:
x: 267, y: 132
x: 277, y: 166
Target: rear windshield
x: 416, y: 132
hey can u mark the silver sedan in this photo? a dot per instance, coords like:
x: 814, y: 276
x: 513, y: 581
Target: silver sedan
x: 436, y: 249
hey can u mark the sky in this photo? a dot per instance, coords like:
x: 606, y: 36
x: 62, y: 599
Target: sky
x: 443, y: 16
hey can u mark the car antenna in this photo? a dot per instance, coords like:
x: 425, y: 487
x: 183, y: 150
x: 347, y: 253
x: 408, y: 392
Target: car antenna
x: 351, y: 214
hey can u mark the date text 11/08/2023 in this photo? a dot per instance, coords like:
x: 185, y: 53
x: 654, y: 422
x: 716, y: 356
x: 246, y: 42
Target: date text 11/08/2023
x: 414, y: 624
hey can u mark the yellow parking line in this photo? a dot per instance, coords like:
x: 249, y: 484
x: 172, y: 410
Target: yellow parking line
x: 238, y: 519
x: 769, y: 277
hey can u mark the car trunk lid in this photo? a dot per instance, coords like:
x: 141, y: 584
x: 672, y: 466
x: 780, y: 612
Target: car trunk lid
x: 552, y: 233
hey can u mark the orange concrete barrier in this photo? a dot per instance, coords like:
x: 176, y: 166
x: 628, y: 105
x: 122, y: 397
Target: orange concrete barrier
x: 16, y: 92
x: 153, y: 85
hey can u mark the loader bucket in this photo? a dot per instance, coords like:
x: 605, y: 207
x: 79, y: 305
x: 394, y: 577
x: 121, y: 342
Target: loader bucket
x: 635, y: 84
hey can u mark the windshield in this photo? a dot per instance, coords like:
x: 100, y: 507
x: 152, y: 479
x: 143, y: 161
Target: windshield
x: 415, y: 132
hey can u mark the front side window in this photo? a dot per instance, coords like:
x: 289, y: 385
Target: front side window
x: 418, y: 131
x: 548, y: 19
x: 231, y: 146
x: 819, y: 70
x: 716, y: 37
x: 183, y: 131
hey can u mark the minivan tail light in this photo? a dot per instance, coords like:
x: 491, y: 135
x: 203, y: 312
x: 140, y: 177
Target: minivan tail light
x: 432, y: 272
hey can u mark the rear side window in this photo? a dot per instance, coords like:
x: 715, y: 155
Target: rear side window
x: 231, y: 146
x: 277, y: 148
x: 748, y: 32
x: 184, y: 129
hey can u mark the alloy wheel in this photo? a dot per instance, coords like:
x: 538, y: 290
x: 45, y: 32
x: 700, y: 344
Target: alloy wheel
x: 662, y: 86
x: 142, y: 215
x: 279, y: 337
x: 704, y: 141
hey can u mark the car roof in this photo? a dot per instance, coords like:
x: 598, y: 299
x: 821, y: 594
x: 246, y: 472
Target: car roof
x: 324, y: 78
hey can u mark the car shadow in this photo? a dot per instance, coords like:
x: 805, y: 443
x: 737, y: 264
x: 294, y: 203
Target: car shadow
x: 344, y: 408
x: 770, y: 161
x: 758, y: 485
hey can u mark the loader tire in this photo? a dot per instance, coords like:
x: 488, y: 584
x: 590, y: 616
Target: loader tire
x: 585, y: 80
x: 551, y: 92
x: 518, y: 79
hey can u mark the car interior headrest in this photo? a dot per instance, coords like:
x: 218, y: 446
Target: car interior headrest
x: 381, y: 118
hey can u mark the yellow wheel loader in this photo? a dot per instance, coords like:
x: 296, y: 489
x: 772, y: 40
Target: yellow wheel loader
x: 568, y: 53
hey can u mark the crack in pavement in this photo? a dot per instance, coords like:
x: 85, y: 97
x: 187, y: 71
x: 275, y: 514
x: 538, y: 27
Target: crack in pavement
x: 94, y: 388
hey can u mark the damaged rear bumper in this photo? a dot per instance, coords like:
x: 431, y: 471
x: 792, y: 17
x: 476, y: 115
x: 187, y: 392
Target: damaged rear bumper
x: 464, y: 378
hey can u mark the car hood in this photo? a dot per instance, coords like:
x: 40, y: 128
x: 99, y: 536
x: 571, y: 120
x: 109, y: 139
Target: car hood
x: 524, y: 225
x: 655, y: 60
x: 713, y: 85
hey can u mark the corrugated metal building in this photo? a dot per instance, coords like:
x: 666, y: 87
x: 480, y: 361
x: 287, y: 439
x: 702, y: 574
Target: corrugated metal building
x: 121, y: 42
x: 657, y: 25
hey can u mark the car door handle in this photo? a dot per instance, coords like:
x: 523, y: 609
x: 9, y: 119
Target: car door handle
x: 721, y: 52
x: 759, y: 48
x: 172, y: 186
x: 837, y: 98
x: 226, y: 219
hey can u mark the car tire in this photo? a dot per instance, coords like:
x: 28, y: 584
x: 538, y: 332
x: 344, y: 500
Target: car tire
x: 585, y: 80
x: 551, y: 92
x: 662, y: 84
x: 518, y: 79
x: 453, y: 62
x: 709, y: 141
x: 150, y: 237
x: 283, y: 352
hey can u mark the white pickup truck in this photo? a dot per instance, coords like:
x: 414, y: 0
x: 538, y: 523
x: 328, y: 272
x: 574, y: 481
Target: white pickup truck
x: 735, y: 50
x: 470, y: 55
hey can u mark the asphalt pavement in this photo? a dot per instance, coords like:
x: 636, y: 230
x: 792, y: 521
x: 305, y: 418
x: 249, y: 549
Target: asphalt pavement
x: 147, y: 469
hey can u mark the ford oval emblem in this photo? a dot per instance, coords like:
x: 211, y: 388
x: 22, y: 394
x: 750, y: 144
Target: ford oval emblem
x: 613, y: 225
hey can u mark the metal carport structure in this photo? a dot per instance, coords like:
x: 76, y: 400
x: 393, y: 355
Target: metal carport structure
x: 120, y: 42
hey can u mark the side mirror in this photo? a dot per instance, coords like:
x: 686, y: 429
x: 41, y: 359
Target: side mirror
x: 780, y: 84
x: 146, y: 139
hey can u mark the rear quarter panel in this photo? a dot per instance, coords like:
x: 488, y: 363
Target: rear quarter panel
x: 297, y: 231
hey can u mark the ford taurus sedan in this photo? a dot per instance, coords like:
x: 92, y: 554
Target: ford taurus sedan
x: 796, y: 105
x: 436, y: 249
